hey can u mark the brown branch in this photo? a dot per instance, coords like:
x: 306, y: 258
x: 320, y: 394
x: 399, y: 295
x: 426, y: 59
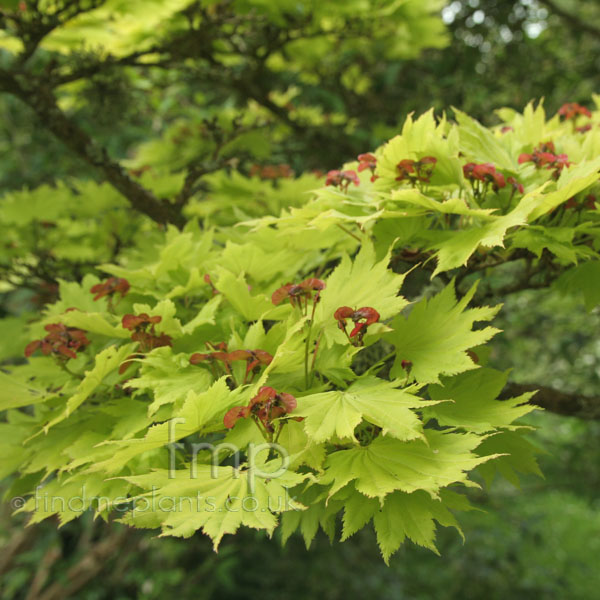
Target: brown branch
x: 90, y: 566
x: 93, y: 68
x: 33, y: 25
x: 570, y: 405
x: 540, y: 276
x: 43, y: 572
x: 42, y: 101
x: 477, y: 263
x: 574, y: 21
x: 198, y: 44
x: 519, y: 286
x: 200, y: 168
x: 195, y: 172
x: 72, y: 9
x: 19, y: 542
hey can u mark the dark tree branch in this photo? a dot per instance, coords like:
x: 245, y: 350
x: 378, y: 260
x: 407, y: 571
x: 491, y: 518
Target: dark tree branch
x: 574, y: 21
x: 33, y: 25
x: 532, y: 277
x: 477, y: 263
x: 73, y: 8
x: 251, y: 37
x: 215, y: 162
x: 42, y: 101
x: 520, y: 285
x: 98, y: 66
x: 570, y: 405
x: 21, y: 540
x: 197, y: 44
x: 197, y: 171
x: 96, y: 557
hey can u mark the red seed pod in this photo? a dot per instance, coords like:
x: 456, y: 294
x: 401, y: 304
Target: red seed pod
x: 516, y: 185
x: 110, y: 287
x: 344, y: 312
x: 295, y: 291
x: 362, y: 318
x: 32, y: 347
x: 233, y: 415
x: 140, y: 321
x: 369, y: 314
x: 416, y: 170
x: 485, y: 172
x: 571, y: 110
x: 265, y: 407
x: 62, y: 341
x: 280, y: 294
x: 342, y: 179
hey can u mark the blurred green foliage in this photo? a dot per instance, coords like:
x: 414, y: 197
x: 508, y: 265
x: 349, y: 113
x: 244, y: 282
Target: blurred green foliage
x: 538, y: 542
x: 499, y: 54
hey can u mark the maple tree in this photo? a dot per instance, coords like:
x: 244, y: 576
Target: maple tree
x: 223, y: 324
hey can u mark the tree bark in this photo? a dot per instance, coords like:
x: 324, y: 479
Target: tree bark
x: 42, y: 101
x: 569, y: 405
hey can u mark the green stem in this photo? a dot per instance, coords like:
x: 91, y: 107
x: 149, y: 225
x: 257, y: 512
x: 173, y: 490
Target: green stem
x: 306, y: 352
x: 348, y: 232
x: 380, y: 362
x: 279, y: 430
x: 484, y: 192
x: 314, y: 358
x: 64, y: 367
x: 510, y: 201
x: 266, y: 434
